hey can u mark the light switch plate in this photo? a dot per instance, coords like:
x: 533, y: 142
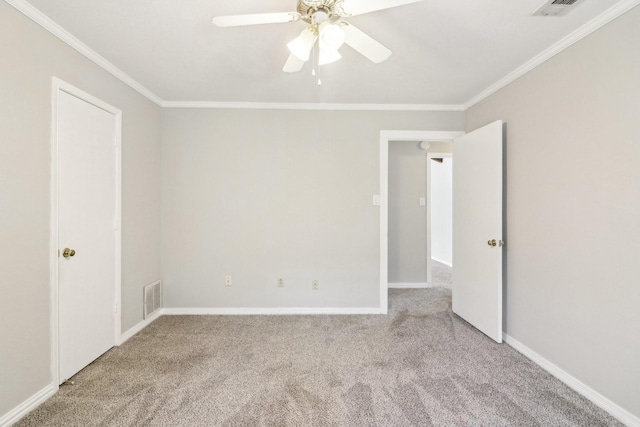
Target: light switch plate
x: 376, y: 200
x: 423, y: 201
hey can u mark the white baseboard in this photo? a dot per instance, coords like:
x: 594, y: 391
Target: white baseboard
x: 401, y: 285
x: 140, y: 326
x: 448, y: 264
x: 244, y: 311
x: 40, y: 397
x: 28, y: 405
x: 612, y: 408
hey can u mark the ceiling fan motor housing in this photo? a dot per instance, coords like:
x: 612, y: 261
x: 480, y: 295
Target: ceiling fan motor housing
x: 318, y: 11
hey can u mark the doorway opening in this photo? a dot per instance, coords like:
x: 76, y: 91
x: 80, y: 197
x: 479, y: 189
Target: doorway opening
x: 386, y: 137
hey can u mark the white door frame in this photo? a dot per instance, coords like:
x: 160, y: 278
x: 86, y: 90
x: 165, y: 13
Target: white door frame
x: 387, y: 136
x: 59, y: 86
x: 431, y: 156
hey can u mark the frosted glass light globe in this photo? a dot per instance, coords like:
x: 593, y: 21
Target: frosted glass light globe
x: 332, y: 36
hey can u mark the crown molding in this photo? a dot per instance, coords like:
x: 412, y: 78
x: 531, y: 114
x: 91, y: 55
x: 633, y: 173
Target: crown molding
x: 55, y: 29
x: 588, y: 28
x: 574, y: 37
x: 310, y: 106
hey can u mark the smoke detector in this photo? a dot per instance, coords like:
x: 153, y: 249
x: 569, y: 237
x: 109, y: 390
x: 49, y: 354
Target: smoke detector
x: 555, y: 7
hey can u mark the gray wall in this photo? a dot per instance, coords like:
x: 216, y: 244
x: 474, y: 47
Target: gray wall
x: 573, y: 208
x: 265, y: 194
x: 30, y: 57
x: 407, y: 219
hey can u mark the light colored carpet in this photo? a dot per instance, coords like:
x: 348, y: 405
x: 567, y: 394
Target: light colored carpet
x: 419, y: 366
x: 441, y: 275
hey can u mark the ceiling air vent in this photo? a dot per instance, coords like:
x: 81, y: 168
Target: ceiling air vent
x: 555, y: 7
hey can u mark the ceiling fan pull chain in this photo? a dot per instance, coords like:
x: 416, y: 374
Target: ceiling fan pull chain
x: 313, y: 58
x: 319, y: 68
x: 315, y: 61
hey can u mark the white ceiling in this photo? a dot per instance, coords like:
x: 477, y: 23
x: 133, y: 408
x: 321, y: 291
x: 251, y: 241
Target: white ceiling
x: 444, y: 51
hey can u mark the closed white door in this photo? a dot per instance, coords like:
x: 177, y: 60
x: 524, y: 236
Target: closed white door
x: 86, y: 229
x: 477, y: 229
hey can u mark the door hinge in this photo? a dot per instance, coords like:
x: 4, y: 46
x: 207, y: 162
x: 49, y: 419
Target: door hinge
x: 116, y: 308
x: 115, y: 224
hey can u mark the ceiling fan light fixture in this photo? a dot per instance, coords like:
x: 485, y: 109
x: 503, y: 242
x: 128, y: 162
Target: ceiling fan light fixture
x: 328, y: 56
x: 326, y: 26
x: 331, y: 36
x: 302, y: 45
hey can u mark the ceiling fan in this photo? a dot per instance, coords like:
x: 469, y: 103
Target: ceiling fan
x: 326, y: 24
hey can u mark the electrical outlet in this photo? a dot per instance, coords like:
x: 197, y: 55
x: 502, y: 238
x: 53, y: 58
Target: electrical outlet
x: 281, y: 282
x: 315, y: 285
x: 227, y: 281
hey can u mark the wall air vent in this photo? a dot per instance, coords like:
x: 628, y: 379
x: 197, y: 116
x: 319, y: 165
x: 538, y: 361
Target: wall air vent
x: 555, y: 7
x: 152, y: 299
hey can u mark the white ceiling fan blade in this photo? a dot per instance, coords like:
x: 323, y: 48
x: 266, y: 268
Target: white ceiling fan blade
x: 360, y: 7
x: 365, y: 45
x: 293, y: 64
x: 255, y: 19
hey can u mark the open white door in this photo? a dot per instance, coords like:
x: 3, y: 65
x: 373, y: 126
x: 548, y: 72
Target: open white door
x: 477, y: 229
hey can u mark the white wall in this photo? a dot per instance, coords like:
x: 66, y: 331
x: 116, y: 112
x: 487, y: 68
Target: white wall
x: 441, y: 213
x: 573, y: 208
x: 30, y: 57
x: 265, y: 194
x: 407, y: 219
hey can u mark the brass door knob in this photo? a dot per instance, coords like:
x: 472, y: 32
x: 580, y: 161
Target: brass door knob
x: 493, y: 243
x: 68, y: 253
